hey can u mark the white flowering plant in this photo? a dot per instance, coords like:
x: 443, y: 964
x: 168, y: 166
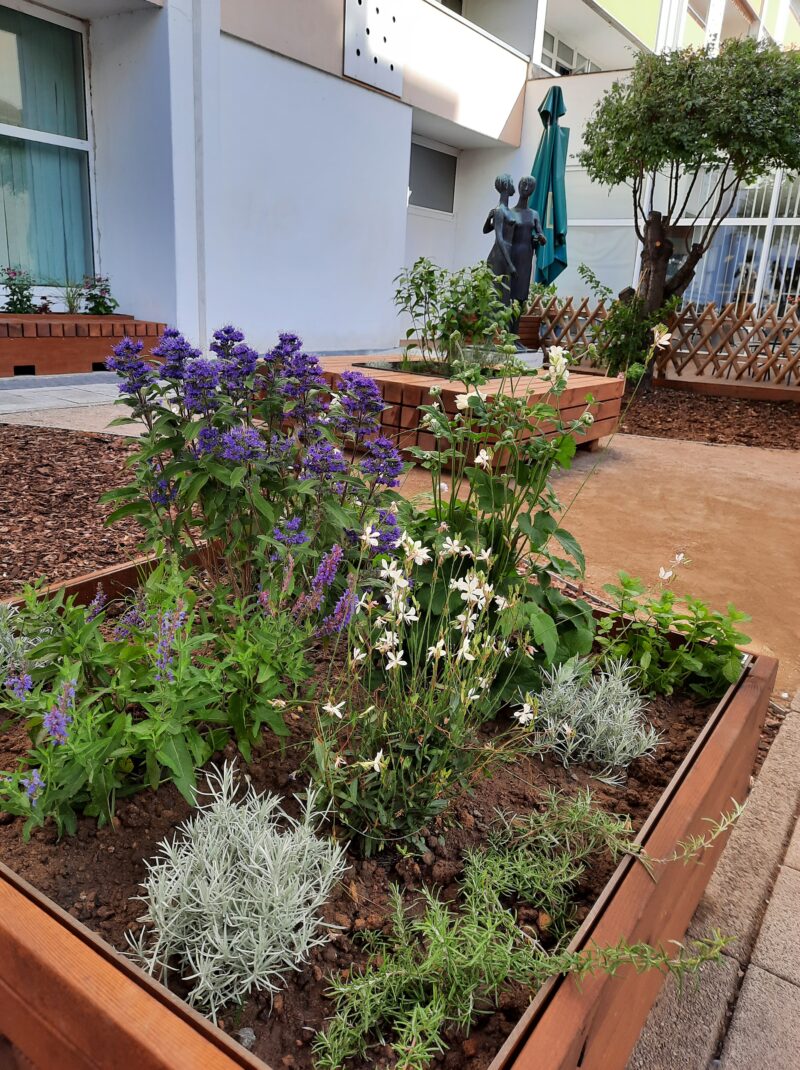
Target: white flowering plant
x: 491, y: 476
x: 400, y: 734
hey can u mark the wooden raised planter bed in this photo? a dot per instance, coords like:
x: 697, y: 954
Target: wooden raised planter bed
x: 69, y: 1000
x: 60, y: 342
x: 404, y: 392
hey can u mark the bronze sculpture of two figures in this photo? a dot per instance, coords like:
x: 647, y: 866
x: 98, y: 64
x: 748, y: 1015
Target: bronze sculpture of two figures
x: 517, y: 233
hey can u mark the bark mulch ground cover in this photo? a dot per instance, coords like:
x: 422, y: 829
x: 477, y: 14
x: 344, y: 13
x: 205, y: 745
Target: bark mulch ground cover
x: 95, y: 874
x: 50, y: 521
x: 664, y: 413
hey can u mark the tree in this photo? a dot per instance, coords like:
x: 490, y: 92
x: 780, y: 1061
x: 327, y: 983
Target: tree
x: 686, y: 131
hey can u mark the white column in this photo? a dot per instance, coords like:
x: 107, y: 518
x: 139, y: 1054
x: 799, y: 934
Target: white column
x: 716, y: 13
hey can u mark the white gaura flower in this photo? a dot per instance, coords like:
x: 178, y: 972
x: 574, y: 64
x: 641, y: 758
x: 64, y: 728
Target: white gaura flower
x: 357, y: 655
x: 465, y: 621
x: 437, y: 651
x: 501, y: 602
x: 665, y: 574
x: 558, y: 371
x: 377, y: 763
x: 680, y: 559
x: 394, y: 659
x: 334, y: 711
x: 484, y: 459
x: 466, y: 551
x: 462, y: 400
x: 367, y: 603
x: 338, y: 761
x: 472, y: 694
x: 409, y: 614
x: 485, y: 556
x: 524, y: 714
x: 417, y: 553
x: 388, y: 641
x: 370, y: 537
x: 464, y: 652
x: 450, y: 547
x: 278, y: 703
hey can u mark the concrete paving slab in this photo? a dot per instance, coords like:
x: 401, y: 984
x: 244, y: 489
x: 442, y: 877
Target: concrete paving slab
x: 765, y: 1031
x: 740, y: 886
x: 75, y: 418
x: 686, y: 1024
x: 777, y: 949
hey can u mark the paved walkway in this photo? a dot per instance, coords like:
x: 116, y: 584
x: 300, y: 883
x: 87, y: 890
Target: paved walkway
x: 73, y: 402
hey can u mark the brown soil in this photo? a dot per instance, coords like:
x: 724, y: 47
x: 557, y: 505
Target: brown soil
x: 94, y: 874
x: 665, y: 413
x: 50, y: 521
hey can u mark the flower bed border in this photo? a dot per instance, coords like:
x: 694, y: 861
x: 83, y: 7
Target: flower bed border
x: 67, y: 998
x: 59, y: 342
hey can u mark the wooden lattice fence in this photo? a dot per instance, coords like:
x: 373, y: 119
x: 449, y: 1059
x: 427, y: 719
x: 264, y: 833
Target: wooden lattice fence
x: 733, y: 350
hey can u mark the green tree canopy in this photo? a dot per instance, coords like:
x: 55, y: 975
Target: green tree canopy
x: 679, y: 117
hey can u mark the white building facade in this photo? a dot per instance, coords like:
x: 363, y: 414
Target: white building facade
x: 276, y: 163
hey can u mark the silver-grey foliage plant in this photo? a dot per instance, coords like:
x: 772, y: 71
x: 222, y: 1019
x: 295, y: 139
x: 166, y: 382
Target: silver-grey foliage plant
x: 583, y: 716
x: 14, y: 645
x: 233, y: 903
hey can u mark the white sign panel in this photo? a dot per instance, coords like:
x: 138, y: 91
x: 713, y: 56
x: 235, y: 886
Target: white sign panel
x: 373, y: 35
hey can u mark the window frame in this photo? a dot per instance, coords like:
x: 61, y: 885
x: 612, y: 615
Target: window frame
x: 23, y: 133
x: 445, y: 150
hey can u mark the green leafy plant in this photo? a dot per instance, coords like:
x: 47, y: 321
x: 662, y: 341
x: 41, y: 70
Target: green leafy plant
x: 96, y: 291
x: 19, y: 290
x: 440, y: 966
x: 584, y: 717
x: 232, y: 903
x: 455, y: 314
x: 72, y: 294
x: 672, y: 643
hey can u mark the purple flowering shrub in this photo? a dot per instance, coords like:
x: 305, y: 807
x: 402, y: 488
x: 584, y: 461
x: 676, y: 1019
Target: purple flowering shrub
x: 253, y: 453
x: 116, y: 703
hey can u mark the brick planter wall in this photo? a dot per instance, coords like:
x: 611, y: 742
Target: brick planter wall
x: 405, y: 392
x: 57, y: 343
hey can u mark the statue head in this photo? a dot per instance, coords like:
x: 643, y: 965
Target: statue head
x: 504, y: 184
x: 527, y: 184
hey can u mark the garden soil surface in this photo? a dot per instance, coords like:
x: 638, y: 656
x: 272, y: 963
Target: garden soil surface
x: 50, y: 521
x: 665, y: 413
x: 95, y: 874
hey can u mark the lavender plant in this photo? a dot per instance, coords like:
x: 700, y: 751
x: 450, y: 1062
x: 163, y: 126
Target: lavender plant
x: 585, y: 717
x: 255, y: 454
x: 232, y: 903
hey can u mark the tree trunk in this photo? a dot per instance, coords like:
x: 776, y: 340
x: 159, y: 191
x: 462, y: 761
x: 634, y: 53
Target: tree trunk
x: 656, y: 252
x: 677, y: 285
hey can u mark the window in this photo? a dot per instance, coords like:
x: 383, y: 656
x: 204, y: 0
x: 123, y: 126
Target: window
x: 432, y: 179
x: 45, y: 217
x: 563, y: 58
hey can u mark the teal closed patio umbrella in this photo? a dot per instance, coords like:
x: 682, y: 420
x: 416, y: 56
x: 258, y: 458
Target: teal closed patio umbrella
x: 550, y: 196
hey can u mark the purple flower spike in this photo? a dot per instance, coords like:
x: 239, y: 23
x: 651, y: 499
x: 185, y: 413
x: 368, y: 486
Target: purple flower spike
x: 323, y: 459
x: 290, y: 532
x: 360, y: 406
x: 96, y: 605
x: 382, y: 462
x: 342, y: 613
x: 19, y: 684
x: 33, y: 785
x: 201, y: 382
x: 169, y: 626
x: 174, y: 350
x: 242, y: 445
x: 136, y: 374
x: 57, y: 720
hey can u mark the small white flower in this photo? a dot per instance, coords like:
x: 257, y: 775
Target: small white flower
x: 472, y: 694
x: 466, y: 621
x: 334, y: 711
x: 418, y: 553
x: 409, y: 615
x: 435, y: 390
x: 665, y: 574
x: 370, y: 537
x: 557, y: 353
x: 388, y: 641
x: 437, y: 651
x: 485, y: 555
x: 679, y: 559
x: 501, y: 602
x: 394, y: 659
x: 278, y: 703
x: 376, y: 763
x: 464, y: 652
x: 444, y: 487
x: 357, y: 655
x: 524, y: 714
x: 451, y: 547
x: 462, y: 400
x: 567, y: 729
x: 338, y: 761
x: 484, y: 459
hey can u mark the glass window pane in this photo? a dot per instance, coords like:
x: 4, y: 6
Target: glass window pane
x: 728, y: 271
x: 565, y: 53
x: 549, y: 41
x: 432, y: 178
x: 41, y: 75
x: 45, y: 223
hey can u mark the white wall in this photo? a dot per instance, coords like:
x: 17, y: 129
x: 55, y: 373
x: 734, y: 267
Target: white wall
x: 475, y: 193
x: 130, y: 99
x: 311, y: 204
x: 431, y: 234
